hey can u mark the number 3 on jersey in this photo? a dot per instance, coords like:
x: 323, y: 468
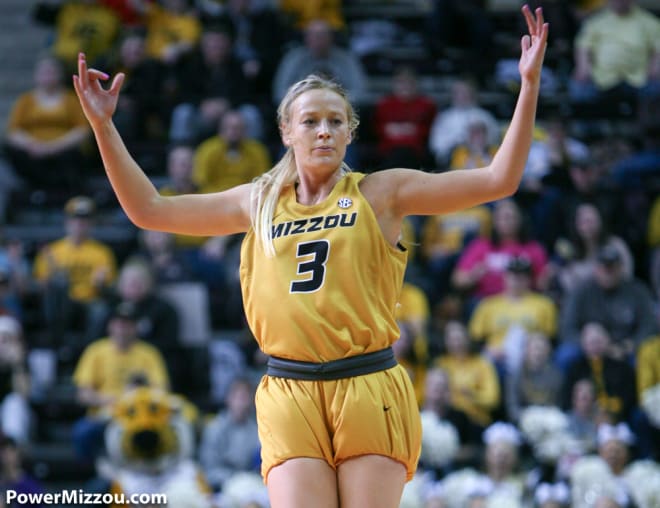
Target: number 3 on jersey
x: 312, y: 258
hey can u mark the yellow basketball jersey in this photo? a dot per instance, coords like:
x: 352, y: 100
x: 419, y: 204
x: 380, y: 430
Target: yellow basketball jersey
x: 331, y: 289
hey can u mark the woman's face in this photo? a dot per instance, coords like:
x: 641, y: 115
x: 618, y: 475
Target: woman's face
x: 506, y: 218
x: 456, y: 338
x: 587, y: 221
x: 318, y: 130
x: 47, y: 74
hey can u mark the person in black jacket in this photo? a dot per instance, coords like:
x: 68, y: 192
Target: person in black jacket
x: 613, y: 379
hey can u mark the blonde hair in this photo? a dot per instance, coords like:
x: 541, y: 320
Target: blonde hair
x: 267, y: 188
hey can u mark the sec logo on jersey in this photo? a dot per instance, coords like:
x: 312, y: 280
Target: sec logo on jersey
x: 344, y: 202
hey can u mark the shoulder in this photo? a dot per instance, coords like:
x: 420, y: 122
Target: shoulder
x: 97, y: 347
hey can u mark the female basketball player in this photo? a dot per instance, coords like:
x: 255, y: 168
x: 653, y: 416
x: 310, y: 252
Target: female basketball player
x: 321, y: 269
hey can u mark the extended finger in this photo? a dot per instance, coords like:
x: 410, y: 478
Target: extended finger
x: 82, y: 71
x: 95, y: 74
x: 539, y: 20
x: 529, y: 18
x: 116, y: 83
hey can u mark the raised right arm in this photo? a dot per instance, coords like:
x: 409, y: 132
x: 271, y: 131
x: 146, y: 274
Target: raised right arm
x: 214, y: 214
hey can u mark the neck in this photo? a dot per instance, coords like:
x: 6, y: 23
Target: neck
x: 314, y: 188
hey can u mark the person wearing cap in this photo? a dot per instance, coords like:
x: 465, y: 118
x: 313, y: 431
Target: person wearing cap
x: 624, y: 306
x: 15, y: 414
x: 518, y: 307
x: 73, y: 271
x: 106, y: 368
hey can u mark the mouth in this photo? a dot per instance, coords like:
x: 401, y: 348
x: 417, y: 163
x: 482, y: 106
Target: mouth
x: 324, y: 149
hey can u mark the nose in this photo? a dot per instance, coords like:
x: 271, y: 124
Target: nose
x: 324, y: 129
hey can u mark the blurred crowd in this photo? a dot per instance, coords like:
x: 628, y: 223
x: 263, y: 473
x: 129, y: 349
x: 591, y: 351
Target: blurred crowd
x: 530, y: 326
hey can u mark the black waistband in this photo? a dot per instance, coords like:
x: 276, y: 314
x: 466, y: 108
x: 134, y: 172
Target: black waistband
x: 352, y: 366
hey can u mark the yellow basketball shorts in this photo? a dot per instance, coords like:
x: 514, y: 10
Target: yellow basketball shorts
x: 336, y: 420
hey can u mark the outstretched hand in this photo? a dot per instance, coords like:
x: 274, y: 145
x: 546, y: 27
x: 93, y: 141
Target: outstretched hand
x: 97, y: 103
x: 533, y: 45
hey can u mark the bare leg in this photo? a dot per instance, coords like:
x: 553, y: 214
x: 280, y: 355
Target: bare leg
x: 303, y: 483
x: 371, y: 481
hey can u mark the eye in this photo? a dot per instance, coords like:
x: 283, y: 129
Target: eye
x: 337, y: 121
x: 308, y: 121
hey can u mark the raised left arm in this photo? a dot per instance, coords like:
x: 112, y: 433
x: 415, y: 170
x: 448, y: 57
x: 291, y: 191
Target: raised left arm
x: 412, y: 192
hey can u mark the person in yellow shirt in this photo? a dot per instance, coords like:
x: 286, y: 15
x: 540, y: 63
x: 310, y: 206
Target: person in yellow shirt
x: 412, y: 348
x: 302, y: 12
x: 617, y: 55
x: 79, y: 25
x: 475, y: 387
x: 72, y: 271
x: 172, y: 28
x: 230, y: 158
x: 502, y: 319
x: 107, y: 367
x: 47, y: 133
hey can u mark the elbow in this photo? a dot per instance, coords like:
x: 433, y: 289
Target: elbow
x: 144, y: 216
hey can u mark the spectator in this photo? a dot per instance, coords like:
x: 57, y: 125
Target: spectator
x: 72, y: 272
x: 303, y: 12
x: 229, y: 158
x: 402, y: 122
x: 481, y: 266
x: 641, y: 168
x: 617, y: 54
x: 322, y: 56
x: 614, y: 443
x: 13, y: 475
x: 623, y: 305
x: 15, y: 413
x: 209, y: 82
x: 613, y: 379
x: 10, y: 304
x: 411, y: 352
x: 157, y: 321
x: 646, y: 425
x: 180, y: 163
x: 142, y: 111
x: 259, y: 37
x: 15, y: 266
x: 473, y: 381
x: 502, y: 321
x: 537, y: 383
x: 437, y: 400
x: 584, y: 415
x: 46, y: 132
x: 443, y: 239
x: 475, y: 152
x: 229, y: 443
x: 554, y: 209
x: 575, y: 256
x: 79, y: 25
x: 107, y: 367
x: 172, y: 28
x: 501, y: 460
x: 168, y: 262
x: 450, y: 125
x: 653, y: 246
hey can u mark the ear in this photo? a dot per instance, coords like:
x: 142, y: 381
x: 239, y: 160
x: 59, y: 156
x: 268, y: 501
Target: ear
x: 284, y: 134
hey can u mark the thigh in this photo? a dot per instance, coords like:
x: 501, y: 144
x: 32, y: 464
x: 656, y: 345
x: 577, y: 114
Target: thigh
x: 291, y: 422
x: 376, y: 414
x: 303, y: 483
x: 371, y: 481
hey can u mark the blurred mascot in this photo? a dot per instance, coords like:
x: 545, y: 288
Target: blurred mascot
x: 150, y: 441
